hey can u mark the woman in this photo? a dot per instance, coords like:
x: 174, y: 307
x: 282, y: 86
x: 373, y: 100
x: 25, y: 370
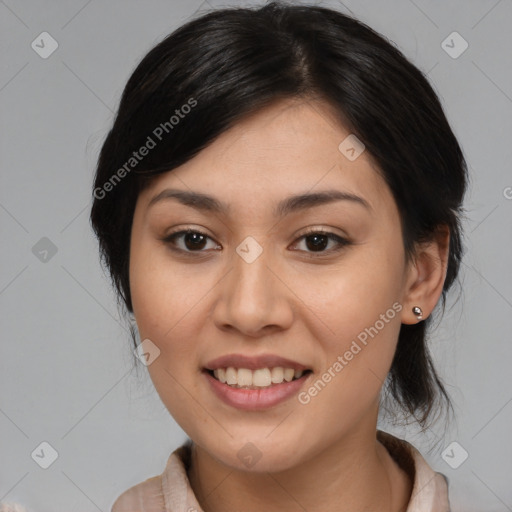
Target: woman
x: 278, y: 204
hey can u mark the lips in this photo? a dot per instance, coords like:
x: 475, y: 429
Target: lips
x: 253, y: 363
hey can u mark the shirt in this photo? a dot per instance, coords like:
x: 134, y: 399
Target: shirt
x: 171, y: 491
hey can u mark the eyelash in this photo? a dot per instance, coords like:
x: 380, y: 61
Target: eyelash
x: 342, y: 242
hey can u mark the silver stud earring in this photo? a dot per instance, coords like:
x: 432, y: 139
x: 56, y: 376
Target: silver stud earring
x: 418, y: 312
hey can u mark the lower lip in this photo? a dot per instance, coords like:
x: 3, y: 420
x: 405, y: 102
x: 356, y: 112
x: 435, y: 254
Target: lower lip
x: 255, y: 399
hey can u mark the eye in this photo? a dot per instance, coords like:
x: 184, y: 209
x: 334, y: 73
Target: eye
x: 316, y: 240
x: 193, y: 240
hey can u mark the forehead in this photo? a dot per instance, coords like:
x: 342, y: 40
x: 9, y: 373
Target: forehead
x: 287, y: 148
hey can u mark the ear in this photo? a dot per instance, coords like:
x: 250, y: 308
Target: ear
x: 425, y: 276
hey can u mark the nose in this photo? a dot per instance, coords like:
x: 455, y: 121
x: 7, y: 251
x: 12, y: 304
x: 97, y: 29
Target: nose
x: 253, y: 298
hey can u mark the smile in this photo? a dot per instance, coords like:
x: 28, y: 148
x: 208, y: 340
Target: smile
x: 244, y: 378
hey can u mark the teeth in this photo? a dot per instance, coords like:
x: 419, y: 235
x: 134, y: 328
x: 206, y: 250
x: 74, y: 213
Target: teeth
x: 220, y: 374
x: 260, y: 378
x: 289, y: 374
x: 244, y: 377
x: 277, y: 375
x: 231, y: 376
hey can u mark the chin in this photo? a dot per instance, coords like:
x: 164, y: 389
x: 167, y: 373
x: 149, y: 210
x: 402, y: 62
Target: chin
x: 257, y: 454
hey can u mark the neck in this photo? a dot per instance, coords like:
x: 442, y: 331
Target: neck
x: 355, y: 473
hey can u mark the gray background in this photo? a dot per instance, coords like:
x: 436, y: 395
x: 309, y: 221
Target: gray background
x: 66, y: 358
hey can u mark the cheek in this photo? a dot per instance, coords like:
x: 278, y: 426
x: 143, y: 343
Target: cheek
x: 353, y: 296
x: 356, y: 321
x: 162, y: 293
x: 166, y: 303
x: 357, y: 361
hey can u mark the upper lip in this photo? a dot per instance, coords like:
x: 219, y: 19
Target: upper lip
x: 253, y: 363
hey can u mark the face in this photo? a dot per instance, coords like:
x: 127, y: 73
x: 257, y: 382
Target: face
x: 319, y: 283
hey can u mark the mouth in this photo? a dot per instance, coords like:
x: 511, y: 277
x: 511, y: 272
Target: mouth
x: 255, y: 390
x: 255, y: 382
x: 260, y: 378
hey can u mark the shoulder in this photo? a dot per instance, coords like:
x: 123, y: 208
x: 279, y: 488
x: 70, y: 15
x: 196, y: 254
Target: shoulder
x: 147, y: 496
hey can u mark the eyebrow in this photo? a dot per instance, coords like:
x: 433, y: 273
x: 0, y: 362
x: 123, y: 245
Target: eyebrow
x: 289, y: 205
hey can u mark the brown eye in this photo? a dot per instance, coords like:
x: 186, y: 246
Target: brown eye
x: 317, y: 241
x: 192, y: 240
